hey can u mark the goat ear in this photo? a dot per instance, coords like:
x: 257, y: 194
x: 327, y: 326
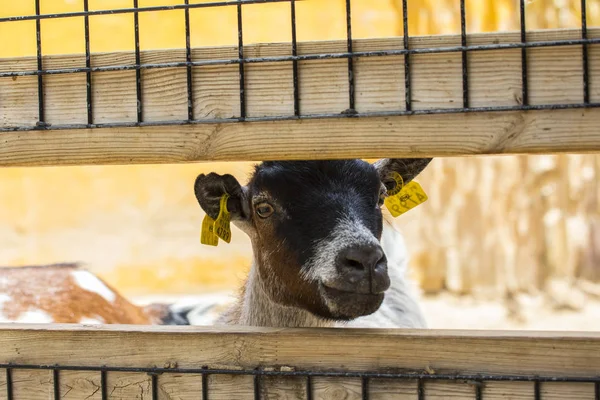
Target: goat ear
x: 408, y: 168
x: 210, y: 188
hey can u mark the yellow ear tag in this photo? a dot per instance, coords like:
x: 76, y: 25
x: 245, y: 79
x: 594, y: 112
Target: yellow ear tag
x: 207, y: 235
x: 221, y: 227
x: 404, y: 197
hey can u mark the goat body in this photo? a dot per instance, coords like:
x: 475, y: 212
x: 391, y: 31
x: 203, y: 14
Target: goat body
x: 66, y: 293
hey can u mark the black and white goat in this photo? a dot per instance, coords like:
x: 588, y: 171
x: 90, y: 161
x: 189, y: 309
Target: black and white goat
x: 323, y: 254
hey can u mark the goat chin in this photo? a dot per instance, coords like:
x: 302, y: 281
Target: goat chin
x: 400, y: 308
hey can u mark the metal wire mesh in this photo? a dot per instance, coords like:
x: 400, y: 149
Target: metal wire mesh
x: 294, y: 58
x: 477, y: 381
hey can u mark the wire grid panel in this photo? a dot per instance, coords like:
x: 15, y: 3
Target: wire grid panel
x: 206, y: 383
x: 406, y: 58
x: 124, y: 362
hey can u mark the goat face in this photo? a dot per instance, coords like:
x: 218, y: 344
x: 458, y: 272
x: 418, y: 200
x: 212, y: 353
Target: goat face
x: 315, y: 228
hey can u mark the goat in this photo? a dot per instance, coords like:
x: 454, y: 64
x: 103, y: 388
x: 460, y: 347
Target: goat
x: 317, y: 232
x: 66, y: 293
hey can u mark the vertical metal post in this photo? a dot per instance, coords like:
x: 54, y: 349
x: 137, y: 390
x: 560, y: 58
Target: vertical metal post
x: 584, y: 49
x: 295, y: 62
x: 241, y: 63
x: 188, y: 59
x: 309, y: 388
x: 103, y: 387
x: 56, y: 383
x: 204, y: 386
x: 138, y: 71
x: 365, y: 388
x: 407, y: 83
x: 525, y: 93
x: 88, y: 64
x: 38, y: 39
x: 463, y: 41
x: 351, y: 105
x: 9, y: 385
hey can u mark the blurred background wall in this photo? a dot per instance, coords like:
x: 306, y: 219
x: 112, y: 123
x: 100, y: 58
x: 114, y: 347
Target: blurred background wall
x: 494, y: 226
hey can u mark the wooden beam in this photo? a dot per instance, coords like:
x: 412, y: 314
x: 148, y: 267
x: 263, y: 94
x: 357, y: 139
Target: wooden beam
x: 438, y: 352
x: 555, y: 77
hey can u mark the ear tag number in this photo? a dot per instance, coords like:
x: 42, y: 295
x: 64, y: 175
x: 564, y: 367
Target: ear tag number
x: 221, y: 226
x: 207, y: 235
x: 403, y: 197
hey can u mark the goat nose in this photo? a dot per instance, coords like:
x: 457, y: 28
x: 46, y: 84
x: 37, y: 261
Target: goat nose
x: 362, y: 258
x: 365, y: 267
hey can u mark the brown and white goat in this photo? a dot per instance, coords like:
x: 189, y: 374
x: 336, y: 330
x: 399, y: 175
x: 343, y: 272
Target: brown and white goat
x: 323, y: 255
x: 65, y: 293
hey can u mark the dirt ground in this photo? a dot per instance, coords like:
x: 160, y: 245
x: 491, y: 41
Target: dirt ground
x: 449, y: 311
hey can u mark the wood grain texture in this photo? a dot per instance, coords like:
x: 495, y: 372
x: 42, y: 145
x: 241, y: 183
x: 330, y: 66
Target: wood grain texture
x: 30, y: 384
x: 440, y: 390
x: 490, y: 352
x: 392, y: 389
x: 128, y: 385
x: 225, y: 387
x: 283, y: 388
x: 507, y: 390
x: 531, y: 353
x: 555, y: 76
x: 179, y: 386
x: 3, y: 395
x: 77, y: 385
x: 534, y: 132
x: 567, y: 391
x: 325, y: 388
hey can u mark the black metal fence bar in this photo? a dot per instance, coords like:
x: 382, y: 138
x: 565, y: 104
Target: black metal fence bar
x: 537, y: 394
x: 309, y: 388
x: 405, y: 375
x: 351, y: 107
x: 241, y: 63
x: 420, y: 389
x: 138, y: 72
x: 478, y: 390
x: 88, y: 65
x: 295, y: 62
x: 584, y: 50
x: 140, y: 9
x: 154, y: 383
x: 56, y: 383
x: 188, y: 60
x: 256, y: 387
x: 9, y: 385
x: 103, y: 385
x: 463, y: 42
x: 307, y: 57
x: 407, y: 88
x: 365, y: 388
x: 524, y: 82
x: 204, y: 384
x: 38, y: 45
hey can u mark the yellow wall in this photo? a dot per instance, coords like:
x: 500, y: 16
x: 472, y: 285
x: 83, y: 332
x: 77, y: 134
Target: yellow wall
x: 138, y: 226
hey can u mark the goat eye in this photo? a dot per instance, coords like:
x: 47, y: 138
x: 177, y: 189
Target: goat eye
x: 264, y: 210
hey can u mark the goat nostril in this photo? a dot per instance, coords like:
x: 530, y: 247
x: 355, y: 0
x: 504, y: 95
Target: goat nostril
x: 354, y: 263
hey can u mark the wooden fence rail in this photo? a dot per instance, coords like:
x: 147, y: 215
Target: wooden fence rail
x: 555, y: 77
x: 434, y: 354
